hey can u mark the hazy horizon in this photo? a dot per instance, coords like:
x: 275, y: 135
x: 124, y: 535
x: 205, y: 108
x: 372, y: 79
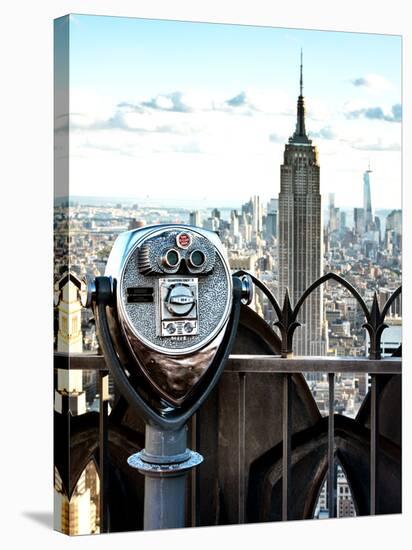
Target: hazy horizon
x: 101, y: 200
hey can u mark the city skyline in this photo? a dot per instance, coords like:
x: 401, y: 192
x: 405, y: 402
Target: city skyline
x: 160, y: 121
x: 102, y: 200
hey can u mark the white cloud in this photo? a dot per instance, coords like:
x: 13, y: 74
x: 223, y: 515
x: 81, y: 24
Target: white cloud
x: 378, y: 145
x: 394, y: 114
x: 326, y: 132
x: 181, y: 102
x: 175, y: 121
x: 213, y: 144
x: 374, y: 82
x: 267, y: 101
x: 163, y: 102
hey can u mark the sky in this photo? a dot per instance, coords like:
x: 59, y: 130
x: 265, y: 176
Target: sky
x: 200, y: 112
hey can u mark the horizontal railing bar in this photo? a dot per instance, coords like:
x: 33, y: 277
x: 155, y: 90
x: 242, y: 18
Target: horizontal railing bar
x: 261, y: 364
x: 276, y: 364
x: 79, y: 361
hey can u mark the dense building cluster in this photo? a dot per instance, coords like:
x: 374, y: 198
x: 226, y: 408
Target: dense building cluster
x: 250, y: 235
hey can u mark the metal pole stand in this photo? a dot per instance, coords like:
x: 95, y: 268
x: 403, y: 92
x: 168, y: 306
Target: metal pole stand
x: 165, y: 462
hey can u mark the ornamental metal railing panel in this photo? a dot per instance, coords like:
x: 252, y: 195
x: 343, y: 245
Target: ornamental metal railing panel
x: 371, y: 440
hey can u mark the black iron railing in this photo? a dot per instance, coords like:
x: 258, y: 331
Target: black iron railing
x: 285, y: 364
x: 288, y: 316
x: 244, y: 366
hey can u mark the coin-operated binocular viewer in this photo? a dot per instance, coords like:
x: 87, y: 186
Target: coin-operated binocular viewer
x: 166, y: 314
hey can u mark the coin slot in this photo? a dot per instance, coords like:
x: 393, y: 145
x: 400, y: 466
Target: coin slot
x: 145, y: 290
x: 140, y: 294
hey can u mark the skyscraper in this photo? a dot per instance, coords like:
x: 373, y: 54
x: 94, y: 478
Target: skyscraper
x: 271, y: 222
x: 234, y: 224
x: 300, y: 255
x: 359, y: 221
x: 367, y: 201
x: 257, y: 215
x: 194, y: 218
x: 334, y: 218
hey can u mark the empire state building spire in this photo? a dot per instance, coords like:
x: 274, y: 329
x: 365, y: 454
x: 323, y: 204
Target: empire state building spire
x: 300, y: 233
x: 299, y: 135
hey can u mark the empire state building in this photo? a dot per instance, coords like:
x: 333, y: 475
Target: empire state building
x: 300, y: 232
